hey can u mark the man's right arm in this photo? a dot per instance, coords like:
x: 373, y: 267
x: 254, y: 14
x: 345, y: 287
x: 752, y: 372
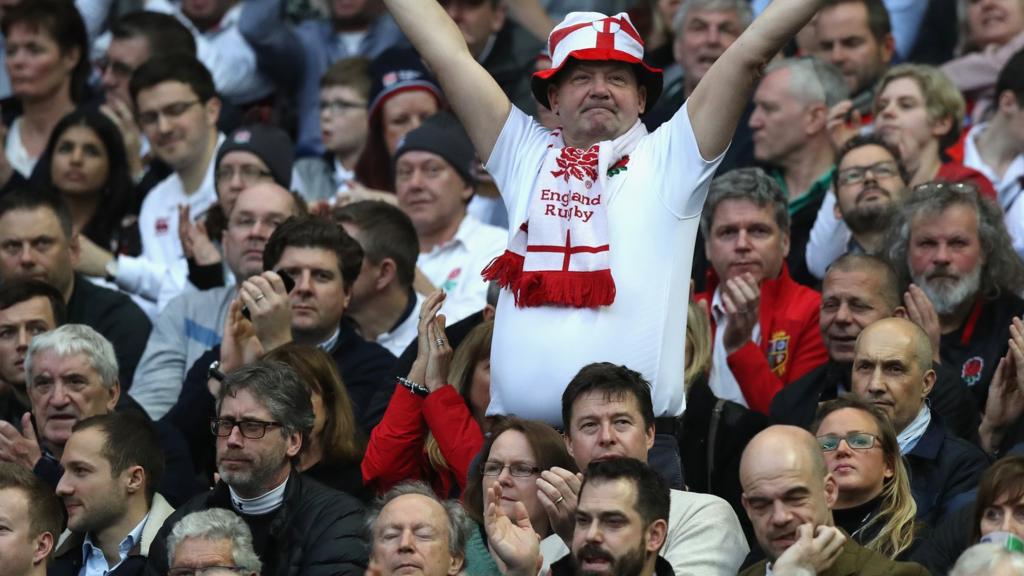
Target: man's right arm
x: 474, y: 95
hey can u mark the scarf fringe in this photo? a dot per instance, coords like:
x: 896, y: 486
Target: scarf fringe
x: 545, y: 288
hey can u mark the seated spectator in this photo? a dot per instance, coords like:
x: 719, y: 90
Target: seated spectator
x: 85, y: 163
x: 264, y: 416
x: 513, y: 456
x: 951, y: 243
x: 427, y: 432
x: 791, y: 136
x: 335, y: 446
x: 621, y: 525
x: 40, y: 95
x: 1002, y: 427
x: 177, y: 109
x: 997, y: 151
x: 789, y: 494
x: 383, y: 303
x: 434, y: 182
x: 71, y: 374
x: 892, y: 369
x: 856, y: 37
x: 38, y: 241
x: 402, y: 95
x: 32, y: 517
x: 874, y: 505
x: 212, y: 539
x: 764, y: 323
x: 608, y: 414
x: 136, y: 37
x: 113, y: 464
x: 989, y: 559
x: 27, y: 308
x: 918, y: 110
x: 193, y: 322
x: 401, y: 513
x: 344, y: 128
x: 995, y: 32
x: 858, y: 291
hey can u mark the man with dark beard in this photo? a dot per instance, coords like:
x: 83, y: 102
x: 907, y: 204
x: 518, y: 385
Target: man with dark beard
x: 868, y: 182
x: 953, y: 244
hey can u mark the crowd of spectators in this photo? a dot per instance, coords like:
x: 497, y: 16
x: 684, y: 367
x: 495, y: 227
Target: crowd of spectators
x: 524, y: 287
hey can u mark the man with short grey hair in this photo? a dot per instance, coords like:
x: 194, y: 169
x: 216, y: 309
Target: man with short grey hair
x: 765, y: 324
x: 791, y: 136
x: 264, y: 418
x: 214, y: 538
x: 403, y: 511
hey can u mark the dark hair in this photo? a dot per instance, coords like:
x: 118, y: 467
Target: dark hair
x: 1004, y: 478
x: 1011, y: 77
x: 341, y: 438
x: 862, y: 140
x: 17, y: 291
x: 117, y: 189
x: 750, y: 184
x: 130, y: 440
x: 164, y: 33
x: 62, y: 22
x: 29, y: 198
x: 888, y: 283
x: 615, y: 382
x: 45, y: 511
x: 387, y: 232
x: 548, y: 450
x: 878, y: 16
x: 315, y: 232
x: 653, y: 497
x: 175, y: 67
x: 351, y: 73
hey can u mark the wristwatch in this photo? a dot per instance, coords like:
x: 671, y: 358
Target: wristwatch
x: 214, y: 371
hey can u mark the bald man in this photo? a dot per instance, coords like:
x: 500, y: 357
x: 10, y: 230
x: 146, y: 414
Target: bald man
x: 788, y: 495
x: 892, y: 369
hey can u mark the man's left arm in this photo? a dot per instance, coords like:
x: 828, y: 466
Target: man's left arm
x: 721, y: 96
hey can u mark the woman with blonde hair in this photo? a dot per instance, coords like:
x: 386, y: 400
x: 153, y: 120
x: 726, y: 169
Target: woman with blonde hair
x: 874, y: 506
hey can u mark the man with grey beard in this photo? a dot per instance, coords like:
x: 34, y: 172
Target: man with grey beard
x: 952, y: 243
x: 868, y: 181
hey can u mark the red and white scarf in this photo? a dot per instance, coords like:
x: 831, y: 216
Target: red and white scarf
x: 559, y: 256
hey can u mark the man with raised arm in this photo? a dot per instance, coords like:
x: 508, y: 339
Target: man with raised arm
x: 602, y: 215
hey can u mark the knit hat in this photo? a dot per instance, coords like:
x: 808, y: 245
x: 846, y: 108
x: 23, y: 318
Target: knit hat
x: 398, y: 70
x: 269, y: 143
x: 442, y: 134
x: 593, y: 36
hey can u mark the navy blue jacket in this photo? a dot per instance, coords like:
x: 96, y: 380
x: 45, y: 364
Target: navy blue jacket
x: 942, y: 467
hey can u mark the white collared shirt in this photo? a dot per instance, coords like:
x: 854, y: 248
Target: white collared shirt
x: 722, y: 381
x: 94, y: 563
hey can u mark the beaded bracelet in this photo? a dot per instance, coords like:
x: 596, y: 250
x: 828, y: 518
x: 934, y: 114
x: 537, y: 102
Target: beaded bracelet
x: 417, y: 389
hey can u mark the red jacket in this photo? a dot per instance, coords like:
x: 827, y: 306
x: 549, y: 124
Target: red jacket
x: 395, y: 452
x: 791, y: 344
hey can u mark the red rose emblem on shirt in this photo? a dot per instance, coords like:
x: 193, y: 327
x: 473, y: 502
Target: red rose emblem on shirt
x: 577, y: 163
x: 972, y: 369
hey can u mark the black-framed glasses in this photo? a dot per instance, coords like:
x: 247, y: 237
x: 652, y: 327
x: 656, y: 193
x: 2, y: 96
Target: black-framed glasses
x: 174, y: 110
x: 855, y: 440
x: 206, y: 571
x: 251, y: 429
x: 517, y: 469
x: 248, y: 173
x: 340, y: 106
x: 856, y: 174
x: 119, y: 69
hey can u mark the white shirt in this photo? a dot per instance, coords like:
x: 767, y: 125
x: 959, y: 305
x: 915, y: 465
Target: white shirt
x: 1010, y: 188
x: 161, y: 271
x: 17, y: 156
x: 399, y: 338
x: 653, y: 210
x: 455, y: 266
x: 721, y: 380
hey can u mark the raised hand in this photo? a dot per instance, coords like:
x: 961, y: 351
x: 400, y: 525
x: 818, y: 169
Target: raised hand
x: 921, y: 312
x: 741, y: 297
x: 558, y: 490
x: 1005, y: 403
x: 269, y: 307
x: 440, y: 356
x: 815, y: 550
x: 512, y: 539
x: 239, y: 345
x: 195, y: 242
x: 428, y: 315
x: 20, y: 448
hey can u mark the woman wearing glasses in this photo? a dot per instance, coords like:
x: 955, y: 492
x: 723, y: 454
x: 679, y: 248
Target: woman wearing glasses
x: 513, y: 457
x: 874, y: 506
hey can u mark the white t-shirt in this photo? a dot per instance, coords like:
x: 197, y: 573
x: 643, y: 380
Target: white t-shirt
x: 654, y: 211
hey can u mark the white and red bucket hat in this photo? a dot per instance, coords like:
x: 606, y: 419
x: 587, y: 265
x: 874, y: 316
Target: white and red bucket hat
x: 595, y: 37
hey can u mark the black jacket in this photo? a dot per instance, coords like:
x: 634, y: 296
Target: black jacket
x: 511, y: 61
x: 316, y: 532
x: 942, y: 467
x: 797, y: 402
x: 565, y: 567
x: 117, y: 318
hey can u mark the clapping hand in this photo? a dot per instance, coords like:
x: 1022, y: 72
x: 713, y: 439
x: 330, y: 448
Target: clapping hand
x: 511, y: 538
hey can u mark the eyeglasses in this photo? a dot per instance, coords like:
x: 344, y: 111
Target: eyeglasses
x: 251, y: 429
x: 340, y: 106
x: 248, y: 173
x: 119, y: 69
x: 856, y: 174
x: 517, y: 469
x: 175, y: 110
x: 855, y: 440
x: 206, y: 571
